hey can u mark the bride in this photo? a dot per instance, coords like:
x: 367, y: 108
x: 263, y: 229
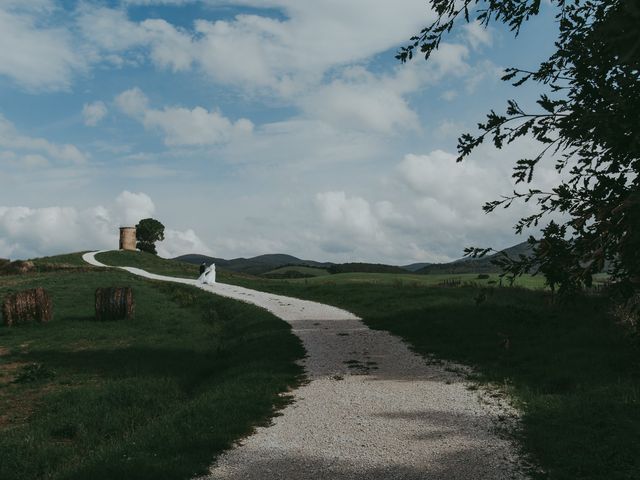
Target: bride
x: 209, y: 275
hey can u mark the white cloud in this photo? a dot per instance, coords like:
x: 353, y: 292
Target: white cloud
x: 356, y: 229
x: 449, y: 95
x: 481, y: 71
x: 437, y: 177
x: 259, y: 52
x: 31, y: 232
x: 477, y: 35
x: 158, y: 2
x: 30, y: 6
x: 388, y: 215
x: 130, y: 208
x: 34, y: 160
x: 197, y: 126
x: 360, y: 100
x: 347, y: 214
x: 287, y: 55
x: 133, y: 102
x: 34, y: 57
x: 93, y: 113
x: 178, y: 243
x: 10, y: 138
x: 112, y: 33
x: 110, y: 29
x: 183, y: 126
x: 304, y: 145
x: 171, y: 48
x: 357, y: 99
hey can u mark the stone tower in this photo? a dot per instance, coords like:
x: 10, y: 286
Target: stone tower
x: 128, y: 238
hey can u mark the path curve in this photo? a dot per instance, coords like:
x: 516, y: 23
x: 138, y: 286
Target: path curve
x: 371, y: 410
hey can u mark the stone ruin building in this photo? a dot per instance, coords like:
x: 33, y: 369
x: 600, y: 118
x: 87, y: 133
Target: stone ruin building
x: 128, y: 238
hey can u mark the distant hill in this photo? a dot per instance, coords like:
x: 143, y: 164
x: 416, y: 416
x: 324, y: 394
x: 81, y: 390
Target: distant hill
x: 414, y: 267
x: 476, y: 265
x: 365, y: 268
x: 267, y: 264
x: 296, y: 271
x: 256, y: 265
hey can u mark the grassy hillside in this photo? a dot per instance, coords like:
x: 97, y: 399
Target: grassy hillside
x: 74, y: 259
x: 147, y: 261
x: 296, y: 271
x: 391, y: 279
x: 476, y: 265
x: 162, y: 266
x: 252, y: 266
x: 360, y: 267
x: 573, y: 371
x: 156, y: 397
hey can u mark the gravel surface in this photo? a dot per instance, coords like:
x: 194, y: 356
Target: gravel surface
x: 372, y: 409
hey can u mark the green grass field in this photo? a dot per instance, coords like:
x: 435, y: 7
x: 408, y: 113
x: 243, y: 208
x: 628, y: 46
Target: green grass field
x: 72, y: 259
x: 311, y: 271
x: 159, y: 396
x: 394, y: 279
x: 569, y: 368
x: 156, y: 397
x: 149, y: 262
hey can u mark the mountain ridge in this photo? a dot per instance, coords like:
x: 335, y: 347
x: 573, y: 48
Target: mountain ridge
x: 262, y: 264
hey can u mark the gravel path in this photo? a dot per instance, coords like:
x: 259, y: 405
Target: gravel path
x: 372, y: 409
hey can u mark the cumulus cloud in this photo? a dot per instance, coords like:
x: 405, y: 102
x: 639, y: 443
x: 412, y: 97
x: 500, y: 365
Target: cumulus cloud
x: 183, y: 126
x: 171, y: 48
x: 353, y: 226
x: 477, y: 35
x: 31, y: 232
x: 359, y: 99
x: 359, y: 229
x: 93, y: 113
x: 130, y: 208
x: 197, y: 126
x: 178, y: 243
x: 438, y: 174
x: 35, y: 57
x: 11, y: 139
x: 133, y: 102
x: 260, y: 52
x: 348, y: 214
x: 112, y: 33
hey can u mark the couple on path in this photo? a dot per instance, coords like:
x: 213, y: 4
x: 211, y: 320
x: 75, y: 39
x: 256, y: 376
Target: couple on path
x: 207, y: 274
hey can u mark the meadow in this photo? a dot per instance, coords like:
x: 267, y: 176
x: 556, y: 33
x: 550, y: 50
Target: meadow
x: 568, y: 367
x: 159, y: 396
x: 155, y: 397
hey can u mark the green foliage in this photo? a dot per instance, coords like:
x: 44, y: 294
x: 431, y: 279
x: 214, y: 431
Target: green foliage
x: 148, y: 232
x: 587, y: 123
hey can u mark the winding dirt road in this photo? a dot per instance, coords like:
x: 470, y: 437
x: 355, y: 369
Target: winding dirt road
x: 372, y: 408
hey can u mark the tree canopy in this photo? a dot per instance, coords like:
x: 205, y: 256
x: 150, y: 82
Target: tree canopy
x: 148, y: 232
x: 588, y: 124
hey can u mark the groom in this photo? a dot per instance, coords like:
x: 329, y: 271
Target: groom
x: 203, y: 267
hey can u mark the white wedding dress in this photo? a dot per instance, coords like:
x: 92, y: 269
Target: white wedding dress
x: 209, y: 275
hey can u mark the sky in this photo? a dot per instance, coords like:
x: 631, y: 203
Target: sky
x: 250, y: 127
